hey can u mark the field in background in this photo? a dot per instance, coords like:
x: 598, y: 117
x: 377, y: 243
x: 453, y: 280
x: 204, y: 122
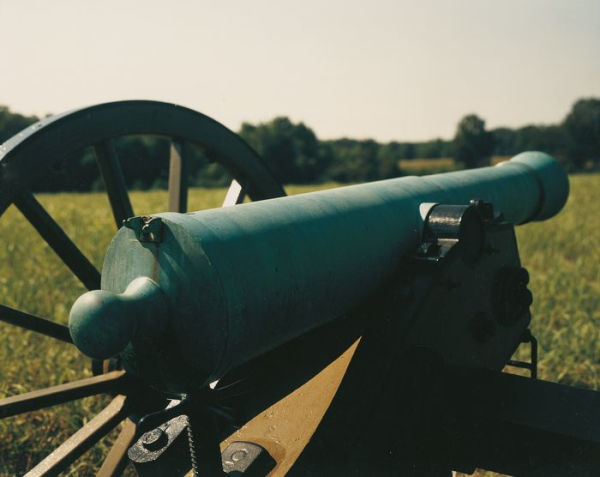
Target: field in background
x: 562, y: 256
x: 420, y: 167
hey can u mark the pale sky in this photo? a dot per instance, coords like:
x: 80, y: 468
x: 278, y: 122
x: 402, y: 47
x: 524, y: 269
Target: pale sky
x: 390, y: 70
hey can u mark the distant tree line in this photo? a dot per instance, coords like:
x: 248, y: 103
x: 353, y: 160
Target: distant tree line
x: 295, y: 154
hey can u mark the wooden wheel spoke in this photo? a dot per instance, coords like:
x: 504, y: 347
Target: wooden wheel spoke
x: 112, y: 175
x: 58, y: 240
x: 35, y: 323
x: 114, y: 381
x: 178, y: 188
x: 235, y: 194
x: 82, y: 440
x: 117, y: 460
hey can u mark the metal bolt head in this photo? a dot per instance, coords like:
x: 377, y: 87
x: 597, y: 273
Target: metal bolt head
x: 146, y: 228
x: 240, y: 457
x: 155, y: 439
x: 511, y: 297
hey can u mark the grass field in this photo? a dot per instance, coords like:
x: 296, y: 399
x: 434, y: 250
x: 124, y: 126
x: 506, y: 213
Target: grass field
x: 424, y: 166
x: 418, y: 167
x: 562, y: 256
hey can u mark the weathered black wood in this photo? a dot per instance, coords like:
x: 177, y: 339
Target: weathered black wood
x: 521, y: 426
x: 82, y: 440
x: 114, y: 381
x: 178, y: 187
x: 35, y: 323
x: 430, y: 420
x: 112, y: 174
x: 58, y: 240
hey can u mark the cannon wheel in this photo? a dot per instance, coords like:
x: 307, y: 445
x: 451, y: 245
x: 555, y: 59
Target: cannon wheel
x: 28, y: 156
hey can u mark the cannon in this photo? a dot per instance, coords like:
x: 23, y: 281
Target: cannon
x: 232, y: 284
x: 354, y: 331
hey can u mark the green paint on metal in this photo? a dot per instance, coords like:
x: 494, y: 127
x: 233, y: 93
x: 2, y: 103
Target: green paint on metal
x: 102, y: 323
x: 242, y: 280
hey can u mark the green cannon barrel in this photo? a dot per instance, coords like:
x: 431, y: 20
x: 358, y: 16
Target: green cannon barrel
x: 222, y: 286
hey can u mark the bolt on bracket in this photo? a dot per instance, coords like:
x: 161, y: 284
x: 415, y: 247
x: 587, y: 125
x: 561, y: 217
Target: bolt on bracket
x: 146, y: 228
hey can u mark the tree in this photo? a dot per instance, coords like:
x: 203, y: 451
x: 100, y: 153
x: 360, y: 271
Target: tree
x: 433, y: 149
x: 582, y: 128
x: 473, y: 145
x: 356, y: 161
x: 292, y: 151
x: 409, y: 151
x: 504, y: 141
x: 11, y: 123
x: 388, y: 159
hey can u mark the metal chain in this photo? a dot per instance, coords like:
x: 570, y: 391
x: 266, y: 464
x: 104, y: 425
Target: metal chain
x: 193, y: 448
x: 202, y: 438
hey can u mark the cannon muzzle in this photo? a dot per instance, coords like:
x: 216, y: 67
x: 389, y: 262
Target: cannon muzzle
x: 214, y: 289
